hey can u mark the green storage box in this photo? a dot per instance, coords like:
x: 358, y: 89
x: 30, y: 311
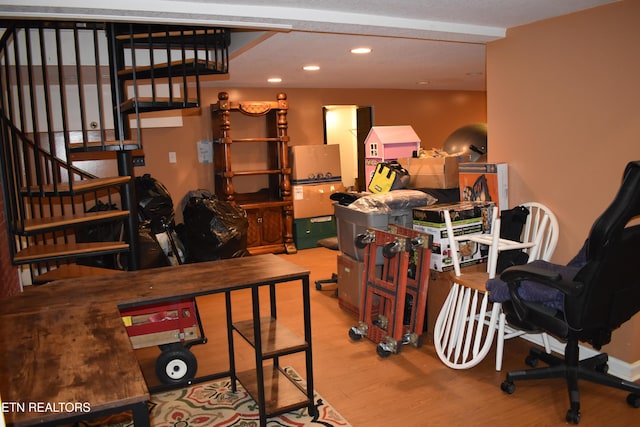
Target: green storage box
x: 307, y: 231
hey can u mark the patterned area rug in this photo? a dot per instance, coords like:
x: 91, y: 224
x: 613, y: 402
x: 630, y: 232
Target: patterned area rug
x: 213, y: 404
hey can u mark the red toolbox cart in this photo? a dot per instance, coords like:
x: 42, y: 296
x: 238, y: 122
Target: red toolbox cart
x: 174, y: 326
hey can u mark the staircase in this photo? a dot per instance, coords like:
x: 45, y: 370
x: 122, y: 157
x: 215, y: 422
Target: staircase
x: 70, y: 93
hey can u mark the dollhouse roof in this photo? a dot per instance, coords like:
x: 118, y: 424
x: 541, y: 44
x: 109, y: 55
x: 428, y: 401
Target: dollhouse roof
x: 391, y: 135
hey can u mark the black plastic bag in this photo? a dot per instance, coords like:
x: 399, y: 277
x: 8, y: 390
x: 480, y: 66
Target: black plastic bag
x: 154, y: 203
x: 213, y: 229
x: 151, y: 254
x: 110, y: 231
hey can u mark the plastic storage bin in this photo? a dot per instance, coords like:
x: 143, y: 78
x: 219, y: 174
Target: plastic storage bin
x: 376, y: 211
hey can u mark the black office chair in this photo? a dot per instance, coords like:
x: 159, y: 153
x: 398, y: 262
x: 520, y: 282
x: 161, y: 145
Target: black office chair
x: 594, y: 299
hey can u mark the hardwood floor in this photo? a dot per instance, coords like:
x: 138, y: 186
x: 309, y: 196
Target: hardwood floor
x: 412, y: 388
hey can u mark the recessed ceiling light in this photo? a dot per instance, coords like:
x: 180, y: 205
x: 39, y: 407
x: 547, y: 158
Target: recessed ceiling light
x: 361, y: 50
x: 423, y: 82
x: 274, y: 80
x: 311, y: 68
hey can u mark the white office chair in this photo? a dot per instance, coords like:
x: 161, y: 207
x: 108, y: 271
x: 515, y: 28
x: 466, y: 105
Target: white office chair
x: 466, y: 324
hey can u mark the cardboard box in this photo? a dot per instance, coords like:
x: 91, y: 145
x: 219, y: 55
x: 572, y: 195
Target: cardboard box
x: 307, y: 231
x: 473, y: 218
x: 311, y: 200
x: 350, y: 273
x: 315, y: 163
x: 457, y: 211
x: 431, y: 172
x: 384, y: 143
x: 485, y: 182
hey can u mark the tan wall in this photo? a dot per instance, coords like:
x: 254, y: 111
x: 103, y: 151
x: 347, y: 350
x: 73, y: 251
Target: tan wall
x: 433, y: 115
x: 563, y: 110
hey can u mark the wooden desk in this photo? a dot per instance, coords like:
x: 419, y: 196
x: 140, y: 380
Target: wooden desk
x: 65, y: 343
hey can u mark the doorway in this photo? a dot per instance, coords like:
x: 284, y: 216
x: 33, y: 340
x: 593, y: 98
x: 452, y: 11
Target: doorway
x: 348, y: 126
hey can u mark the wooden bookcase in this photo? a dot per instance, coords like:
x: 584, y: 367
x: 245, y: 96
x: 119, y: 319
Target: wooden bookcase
x: 252, y: 168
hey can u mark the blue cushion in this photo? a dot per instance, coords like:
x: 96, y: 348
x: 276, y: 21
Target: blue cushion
x: 532, y: 291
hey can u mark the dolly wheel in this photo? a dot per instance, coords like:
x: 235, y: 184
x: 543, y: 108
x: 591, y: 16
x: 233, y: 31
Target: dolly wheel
x: 391, y: 249
x: 362, y: 240
x: 175, y: 365
x: 355, y: 334
x: 383, y: 351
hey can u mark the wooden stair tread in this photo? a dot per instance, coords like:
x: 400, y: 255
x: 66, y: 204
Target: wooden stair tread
x: 161, y: 70
x: 62, y: 250
x: 70, y: 271
x: 80, y: 186
x: 157, y: 104
x: 107, y: 145
x: 42, y: 224
x: 163, y: 34
x: 106, y: 154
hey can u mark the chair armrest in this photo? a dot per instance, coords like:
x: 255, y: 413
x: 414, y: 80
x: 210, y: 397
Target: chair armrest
x: 516, y: 275
x: 554, y: 279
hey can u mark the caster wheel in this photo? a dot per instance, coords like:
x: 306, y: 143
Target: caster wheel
x: 382, y: 352
x: 531, y: 361
x: 633, y: 400
x: 361, y: 241
x: 390, y: 249
x: 573, y: 416
x: 354, y: 335
x: 418, y: 341
x: 508, y: 387
x: 176, y: 364
x: 603, y: 368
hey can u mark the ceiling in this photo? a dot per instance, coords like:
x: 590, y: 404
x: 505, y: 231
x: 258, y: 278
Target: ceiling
x: 416, y: 44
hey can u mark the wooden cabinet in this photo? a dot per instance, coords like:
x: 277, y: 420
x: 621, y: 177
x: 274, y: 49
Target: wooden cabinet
x: 265, y: 227
x: 252, y: 170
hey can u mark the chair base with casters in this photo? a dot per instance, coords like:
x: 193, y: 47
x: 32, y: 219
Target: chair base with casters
x: 593, y: 369
x: 583, y: 301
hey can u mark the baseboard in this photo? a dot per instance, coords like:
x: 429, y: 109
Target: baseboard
x: 621, y: 369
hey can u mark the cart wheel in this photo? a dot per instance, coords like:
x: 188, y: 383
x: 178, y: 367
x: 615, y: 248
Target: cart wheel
x: 390, y: 249
x: 382, y: 351
x: 362, y: 240
x: 417, y: 342
x: 175, y: 365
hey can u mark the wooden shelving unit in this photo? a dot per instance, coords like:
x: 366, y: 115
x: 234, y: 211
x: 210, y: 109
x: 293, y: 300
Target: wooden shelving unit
x: 269, y: 384
x: 269, y: 208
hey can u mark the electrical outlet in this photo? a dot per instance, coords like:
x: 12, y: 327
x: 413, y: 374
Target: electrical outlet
x: 138, y: 161
x: 172, y: 156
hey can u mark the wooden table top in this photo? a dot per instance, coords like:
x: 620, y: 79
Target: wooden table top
x: 65, y: 341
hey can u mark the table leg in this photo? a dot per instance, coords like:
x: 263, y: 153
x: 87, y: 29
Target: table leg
x: 140, y: 415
